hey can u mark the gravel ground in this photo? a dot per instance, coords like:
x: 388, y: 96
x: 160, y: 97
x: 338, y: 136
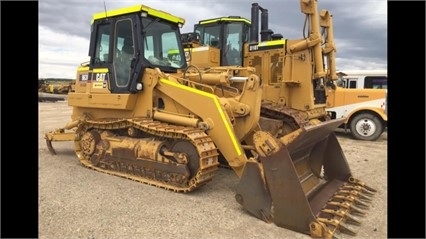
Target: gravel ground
x: 76, y: 202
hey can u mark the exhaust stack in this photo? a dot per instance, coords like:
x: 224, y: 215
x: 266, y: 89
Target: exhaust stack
x: 265, y: 32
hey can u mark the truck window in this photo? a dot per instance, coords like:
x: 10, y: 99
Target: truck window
x: 376, y: 82
x: 365, y: 79
x: 352, y: 84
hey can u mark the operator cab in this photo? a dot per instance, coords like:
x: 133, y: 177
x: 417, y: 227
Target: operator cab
x: 126, y: 41
x: 226, y: 33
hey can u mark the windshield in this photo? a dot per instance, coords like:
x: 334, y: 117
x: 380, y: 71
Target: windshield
x: 234, y: 43
x: 162, y: 46
x: 234, y: 34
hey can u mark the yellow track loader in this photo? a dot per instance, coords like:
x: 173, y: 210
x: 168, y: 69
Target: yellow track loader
x: 142, y: 113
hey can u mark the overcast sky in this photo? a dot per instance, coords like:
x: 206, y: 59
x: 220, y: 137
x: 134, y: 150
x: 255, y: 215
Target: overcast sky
x: 360, y: 27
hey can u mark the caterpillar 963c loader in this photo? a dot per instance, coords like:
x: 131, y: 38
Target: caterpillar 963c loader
x: 141, y: 115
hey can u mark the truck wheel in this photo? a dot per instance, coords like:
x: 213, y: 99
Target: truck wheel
x: 366, y: 127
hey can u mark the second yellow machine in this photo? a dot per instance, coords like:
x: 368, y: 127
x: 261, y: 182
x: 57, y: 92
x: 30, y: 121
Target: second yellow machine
x: 298, y: 75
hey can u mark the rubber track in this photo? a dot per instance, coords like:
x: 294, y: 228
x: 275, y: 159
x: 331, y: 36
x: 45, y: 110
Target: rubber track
x: 207, y: 151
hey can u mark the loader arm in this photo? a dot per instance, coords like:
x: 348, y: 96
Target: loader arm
x: 219, y: 125
x: 329, y: 49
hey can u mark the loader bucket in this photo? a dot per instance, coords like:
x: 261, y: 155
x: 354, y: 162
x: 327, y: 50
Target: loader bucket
x: 306, y: 186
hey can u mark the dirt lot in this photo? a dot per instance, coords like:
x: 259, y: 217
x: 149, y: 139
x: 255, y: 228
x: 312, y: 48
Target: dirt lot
x: 76, y: 202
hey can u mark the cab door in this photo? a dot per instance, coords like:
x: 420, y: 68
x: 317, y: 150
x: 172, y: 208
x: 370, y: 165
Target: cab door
x: 113, y: 54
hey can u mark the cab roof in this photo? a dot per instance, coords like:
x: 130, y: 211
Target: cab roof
x: 138, y: 8
x: 225, y: 19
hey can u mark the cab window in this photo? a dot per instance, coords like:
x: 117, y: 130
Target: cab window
x: 123, y: 52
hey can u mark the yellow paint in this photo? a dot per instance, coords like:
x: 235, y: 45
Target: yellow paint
x: 217, y: 104
x: 271, y: 43
x: 98, y: 85
x: 83, y: 68
x: 352, y: 96
x: 100, y: 70
x: 225, y: 19
x: 138, y: 8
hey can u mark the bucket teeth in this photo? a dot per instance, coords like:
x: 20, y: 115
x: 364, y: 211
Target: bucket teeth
x: 362, y: 184
x: 348, y: 202
x: 344, y: 214
x: 351, y: 199
x: 352, y: 208
x: 357, y: 194
x: 342, y: 227
x: 358, y: 188
x: 346, y: 229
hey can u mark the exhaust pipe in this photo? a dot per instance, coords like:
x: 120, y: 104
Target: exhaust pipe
x: 254, y: 29
x: 265, y: 32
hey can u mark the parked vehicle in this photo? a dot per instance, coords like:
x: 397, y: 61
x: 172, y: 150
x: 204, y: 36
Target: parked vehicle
x: 363, y: 79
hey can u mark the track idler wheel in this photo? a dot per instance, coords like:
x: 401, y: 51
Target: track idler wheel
x: 101, y: 148
x: 88, y: 143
